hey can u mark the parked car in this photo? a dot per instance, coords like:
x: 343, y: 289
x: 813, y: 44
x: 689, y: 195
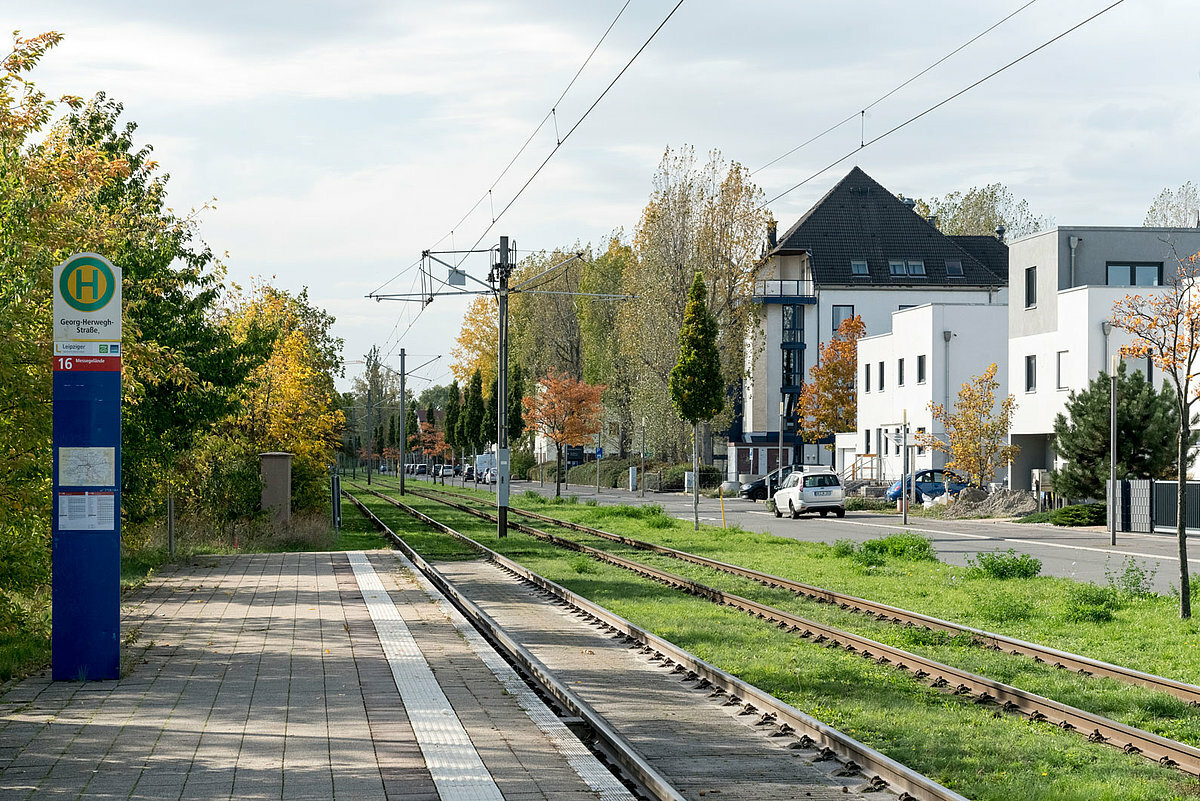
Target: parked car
x: 490, y: 475
x: 469, y: 473
x: 930, y: 484
x: 811, y: 492
x: 758, y: 489
x: 422, y: 470
x: 457, y: 470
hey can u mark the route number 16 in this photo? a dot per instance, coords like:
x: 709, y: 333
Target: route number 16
x: 64, y: 362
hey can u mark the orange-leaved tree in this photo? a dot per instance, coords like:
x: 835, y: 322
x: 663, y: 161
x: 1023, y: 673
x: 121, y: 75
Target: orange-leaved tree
x: 828, y: 402
x: 977, y: 430
x: 1166, y: 327
x: 566, y: 411
x: 477, y: 342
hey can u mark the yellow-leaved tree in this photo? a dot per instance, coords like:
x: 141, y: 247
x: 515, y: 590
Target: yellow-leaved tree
x: 478, y: 340
x: 1166, y: 327
x: 976, y: 430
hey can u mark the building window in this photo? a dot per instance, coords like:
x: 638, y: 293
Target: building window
x: 1060, y: 369
x: 1144, y: 274
x: 859, y: 267
x: 921, y: 369
x: 881, y: 376
x: 1030, y: 373
x: 900, y: 372
x: 954, y: 268
x: 866, y: 378
x: 916, y: 268
x: 840, y: 315
x: 896, y: 267
x: 867, y: 441
x: 793, y: 323
x: 920, y: 448
x: 793, y: 367
x: 904, y: 306
x: 1030, y: 287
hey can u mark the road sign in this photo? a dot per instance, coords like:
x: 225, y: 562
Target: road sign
x: 86, y: 526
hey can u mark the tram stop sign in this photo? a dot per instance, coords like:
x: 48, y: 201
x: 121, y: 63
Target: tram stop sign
x: 86, y: 525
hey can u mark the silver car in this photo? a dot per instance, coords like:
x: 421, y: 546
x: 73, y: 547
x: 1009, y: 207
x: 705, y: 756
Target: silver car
x: 810, y: 492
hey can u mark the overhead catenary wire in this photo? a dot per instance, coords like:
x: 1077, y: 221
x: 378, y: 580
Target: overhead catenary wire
x: 861, y: 113
x: 942, y: 102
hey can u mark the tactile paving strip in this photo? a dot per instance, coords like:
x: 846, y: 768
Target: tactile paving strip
x: 581, y: 760
x: 455, y: 765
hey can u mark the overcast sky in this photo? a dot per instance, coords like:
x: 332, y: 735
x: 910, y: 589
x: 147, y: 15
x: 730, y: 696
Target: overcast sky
x: 342, y: 139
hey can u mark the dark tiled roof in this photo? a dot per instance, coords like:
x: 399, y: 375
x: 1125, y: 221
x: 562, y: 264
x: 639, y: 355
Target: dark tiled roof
x: 859, y: 219
x: 988, y: 249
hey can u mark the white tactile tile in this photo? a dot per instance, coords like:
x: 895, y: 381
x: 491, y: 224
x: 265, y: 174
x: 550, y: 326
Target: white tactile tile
x: 590, y: 770
x: 450, y: 756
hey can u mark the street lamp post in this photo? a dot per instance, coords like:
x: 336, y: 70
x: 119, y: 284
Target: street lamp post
x: 779, y: 478
x: 1112, y: 453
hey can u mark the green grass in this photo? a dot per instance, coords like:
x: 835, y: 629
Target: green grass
x: 969, y: 747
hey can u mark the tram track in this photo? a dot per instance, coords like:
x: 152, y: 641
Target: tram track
x: 877, y: 771
x: 1043, y: 654
x: 1096, y: 728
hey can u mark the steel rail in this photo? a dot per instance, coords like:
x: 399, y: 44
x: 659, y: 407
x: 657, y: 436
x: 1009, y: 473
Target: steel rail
x: 883, y: 612
x: 1097, y: 728
x: 615, y: 746
x: 882, y: 772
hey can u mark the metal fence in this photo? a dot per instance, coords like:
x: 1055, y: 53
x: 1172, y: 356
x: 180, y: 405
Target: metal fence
x: 1145, y: 506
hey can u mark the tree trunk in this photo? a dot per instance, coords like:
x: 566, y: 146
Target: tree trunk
x: 1185, y: 589
x: 696, y: 476
x: 558, y: 472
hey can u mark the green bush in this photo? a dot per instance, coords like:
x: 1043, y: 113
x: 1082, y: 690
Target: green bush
x: 1134, y: 580
x: 1005, y: 565
x: 1036, y: 517
x: 1092, y: 603
x: 710, y: 476
x: 844, y: 548
x: 859, y: 504
x: 903, y: 546
x: 1088, y: 514
x: 532, y: 496
x: 522, y: 462
x: 614, y: 472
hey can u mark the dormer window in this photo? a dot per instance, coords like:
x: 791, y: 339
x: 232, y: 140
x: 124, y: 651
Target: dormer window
x: 859, y: 267
x: 954, y: 268
x: 916, y: 268
x: 896, y: 267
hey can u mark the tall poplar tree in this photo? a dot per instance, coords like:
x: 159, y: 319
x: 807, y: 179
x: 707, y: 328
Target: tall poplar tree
x: 471, y: 419
x: 697, y: 388
x: 453, y: 407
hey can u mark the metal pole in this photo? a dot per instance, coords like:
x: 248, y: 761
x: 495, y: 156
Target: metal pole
x: 171, y: 523
x: 370, y: 430
x: 643, y: 457
x: 904, y: 470
x: 598, y: 433
x: 403, y: 423
x: 1112, y: 455
x: 779, y: 470
x: 503, y: 269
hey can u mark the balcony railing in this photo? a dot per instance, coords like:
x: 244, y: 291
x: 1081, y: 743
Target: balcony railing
x: 779, y: 289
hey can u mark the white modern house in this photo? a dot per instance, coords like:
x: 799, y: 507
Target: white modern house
x: 861, y: 250
x: 930, y: 351
x: 1064, y: 283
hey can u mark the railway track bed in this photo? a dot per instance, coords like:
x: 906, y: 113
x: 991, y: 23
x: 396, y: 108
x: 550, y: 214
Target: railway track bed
x: 1097, y: 728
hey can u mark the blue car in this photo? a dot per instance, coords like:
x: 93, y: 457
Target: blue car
x: 930, y: 484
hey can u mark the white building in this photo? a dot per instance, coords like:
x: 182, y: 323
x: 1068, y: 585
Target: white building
x: 859, y: 251
x: 1064, y: 284
x: 930, y: 352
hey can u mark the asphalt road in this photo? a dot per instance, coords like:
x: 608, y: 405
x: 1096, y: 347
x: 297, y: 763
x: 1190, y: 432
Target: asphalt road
x: 1080, y: 553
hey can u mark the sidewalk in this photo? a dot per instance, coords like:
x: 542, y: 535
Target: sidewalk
x: 297, y: 676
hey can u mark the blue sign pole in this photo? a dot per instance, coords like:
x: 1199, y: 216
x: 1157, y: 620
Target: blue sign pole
x: 86, y: 528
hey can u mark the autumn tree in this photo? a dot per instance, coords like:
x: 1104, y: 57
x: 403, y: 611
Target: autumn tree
x: 701, y: 218
x: 976, y: 431
x: 1166, y: 327
x: 697, y: 388
x: 604, y: 362
x: 567, y: 411
x: 828, y: 403
x: 1147, y: 421
x: 478, y: 339
x: 980, y: 210
x: 544, y: 324
x: 1175, y: 208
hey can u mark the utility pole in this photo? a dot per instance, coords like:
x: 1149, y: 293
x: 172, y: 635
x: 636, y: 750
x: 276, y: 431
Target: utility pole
x: 1112, y: 452
x: 908, y: 482
x: 370, y: 428
x: 500, y: 274
x: 643, y: 457
x: 403, y: 424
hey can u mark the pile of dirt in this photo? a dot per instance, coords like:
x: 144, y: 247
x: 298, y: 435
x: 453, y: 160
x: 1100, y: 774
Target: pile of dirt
x: 1001, y: 503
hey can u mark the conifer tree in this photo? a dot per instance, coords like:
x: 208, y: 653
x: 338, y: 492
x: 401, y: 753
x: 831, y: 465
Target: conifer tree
x: 696, y: 386
x: 453, y: 407
x: 1147, y: 422
x: 471, y: 418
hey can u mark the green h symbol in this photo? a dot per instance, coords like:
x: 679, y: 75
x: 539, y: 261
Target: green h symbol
x: 80, y: 283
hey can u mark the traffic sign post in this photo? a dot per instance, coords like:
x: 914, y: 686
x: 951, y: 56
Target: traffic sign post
x: 86, y: 527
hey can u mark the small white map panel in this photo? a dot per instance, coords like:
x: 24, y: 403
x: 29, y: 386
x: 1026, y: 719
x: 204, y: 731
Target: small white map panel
x: 87, y: 467
x: 86, y: 511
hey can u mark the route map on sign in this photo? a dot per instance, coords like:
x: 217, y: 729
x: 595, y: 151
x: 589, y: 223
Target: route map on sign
x: 87, y: 467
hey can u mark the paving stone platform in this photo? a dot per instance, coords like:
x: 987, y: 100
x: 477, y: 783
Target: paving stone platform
x: 264, y: 677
